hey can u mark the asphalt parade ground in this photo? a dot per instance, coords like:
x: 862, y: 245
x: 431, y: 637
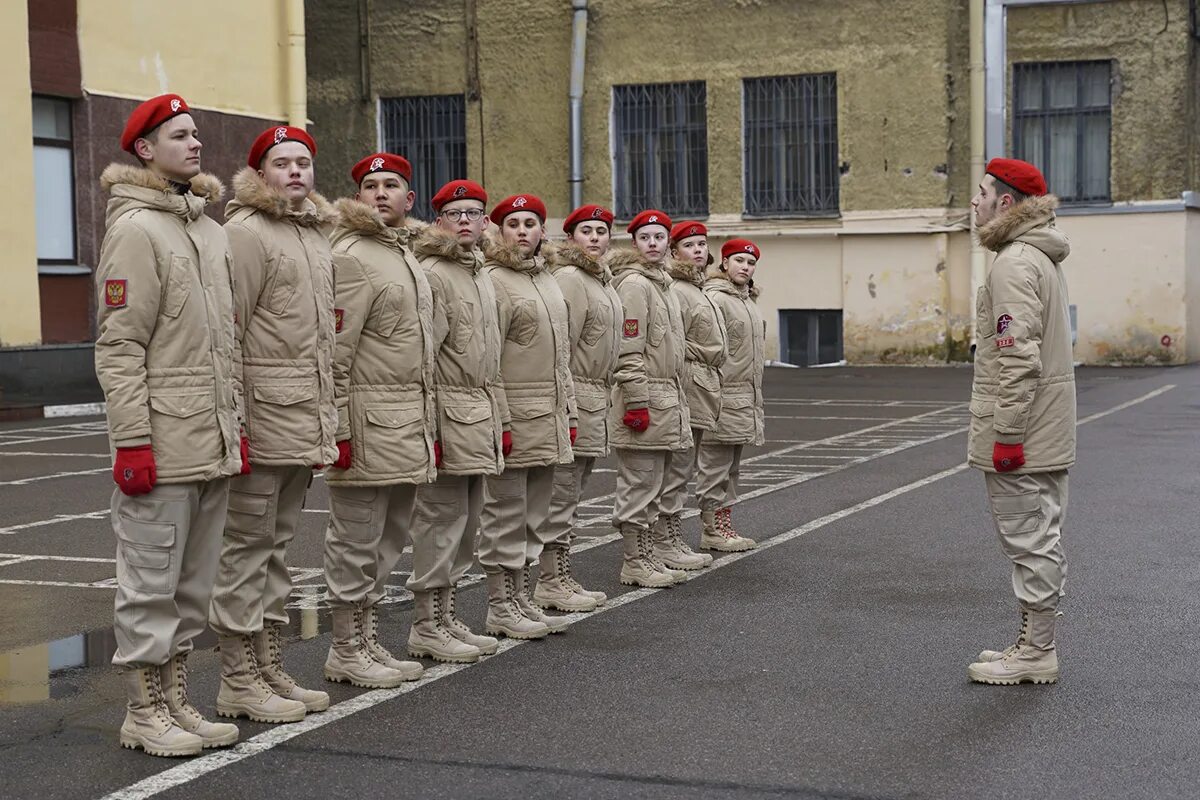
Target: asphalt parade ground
x: 828, y: 663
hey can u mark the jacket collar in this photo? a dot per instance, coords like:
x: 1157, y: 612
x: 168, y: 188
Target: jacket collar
x: 718, y: 280
x: 1019, y: 219
x: 509, y: 256
x: 622, y: 260
x: 435, y: 242
x: 144, y: 186
x: 251, y: 191
x: 686, y: 271
x: 572, y: 255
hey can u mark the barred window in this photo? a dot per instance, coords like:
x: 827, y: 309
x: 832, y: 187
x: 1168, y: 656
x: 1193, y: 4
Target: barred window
x: 1062, y: 118
x: 660, y: 148
x: 791, y: 145
x: 431, y: 132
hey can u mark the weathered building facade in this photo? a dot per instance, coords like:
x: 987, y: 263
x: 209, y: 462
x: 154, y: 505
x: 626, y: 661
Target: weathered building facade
x: 836, y: 134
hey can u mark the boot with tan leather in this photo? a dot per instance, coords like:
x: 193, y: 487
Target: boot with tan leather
x: 555, y: 588
x: 636, y: 569
x: 349, y: 660
x: 148, y: 722
x: 430, y: 638
x: 244, y: 692
x: 411, y: 670
x: 174, y: 676
x: 448, y: 599
x: 268, y: 648
x: 670, y: 548
x: 525, y: 581
x: 504, y: 615
x: 1033, y: 659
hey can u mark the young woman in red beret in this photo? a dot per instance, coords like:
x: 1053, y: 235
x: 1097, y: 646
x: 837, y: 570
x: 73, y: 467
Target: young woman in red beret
x: 593, y: 333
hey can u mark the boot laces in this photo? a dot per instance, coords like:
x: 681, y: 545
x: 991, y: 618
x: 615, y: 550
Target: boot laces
x: 447, y: 616
x: 180, y: 670
x: 646, y: 548
x: 275, y: 654
x: 566, y: 575
x: 158, y: 698
x: 675, y: 527
x: 725, y: 523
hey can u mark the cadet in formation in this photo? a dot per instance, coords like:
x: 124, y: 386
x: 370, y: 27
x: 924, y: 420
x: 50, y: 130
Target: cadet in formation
x: 1022, y: 433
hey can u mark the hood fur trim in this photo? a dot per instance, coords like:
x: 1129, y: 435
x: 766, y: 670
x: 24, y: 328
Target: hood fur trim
x: 207, y: 187
x: 359, y: 217
x: 251, y: 190
x: 686, y: 271
x: 437, y: 242
x: 716, y: 274
x: 1017, y: 220
x: 566, y: 254
x: 621, y: 259
x: 500, y: 253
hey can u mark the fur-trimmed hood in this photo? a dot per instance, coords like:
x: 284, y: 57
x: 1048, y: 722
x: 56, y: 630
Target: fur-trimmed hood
x: 251, y: 191
x: 132, y: 186
x: 1030, y: 221
x: 685, y: 271
x: 718, y: 279
x: 569, y: 254
x: 622, y: 260
x: 502, y: 254
x: 435, y: 242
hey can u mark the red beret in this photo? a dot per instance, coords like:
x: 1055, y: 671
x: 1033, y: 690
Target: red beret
x: 277, y: 135
x: 585, y: 213
x: 734, y: 246
x: 519, y: 202
x: 683, y: 230
x: 1021, y: 175
x: 649, y: 217
x: 458, y: 190
x: 382, y: 162
x: 149, y: 115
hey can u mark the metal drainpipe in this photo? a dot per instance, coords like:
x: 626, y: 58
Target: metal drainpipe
x: 297, y: 88
x: 978, y: 117
x: 578, y: 48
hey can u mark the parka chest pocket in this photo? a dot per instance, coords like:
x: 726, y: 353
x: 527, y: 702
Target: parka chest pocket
x: 523, y: 326
x: 658, y: 328
x: 389, y: 311
x: 983, y: 313
x: 281, y: 285
x: 599, y: 319
x: 701, y: 328
x: 463, y: 326
x: 178, y: 286
x: 737, y: 334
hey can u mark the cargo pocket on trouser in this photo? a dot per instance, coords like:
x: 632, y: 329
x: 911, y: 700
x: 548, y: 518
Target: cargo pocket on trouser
x: 145, y: 553
x: 352, y: 514
x: 1027, y: 540
x: 251, y: 506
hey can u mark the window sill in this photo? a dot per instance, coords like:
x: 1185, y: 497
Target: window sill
x: 64, y: 269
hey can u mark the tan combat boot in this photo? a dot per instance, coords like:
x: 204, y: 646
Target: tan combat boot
x: 148, y: 723
x: 646, y: 542
x: 244, y: 692
x: 411, y: 670
x: 173, y: 676
x: 718, y: 533
x: 1033, y: 659
x: 350, y: 662
x: 600, y: 597
x: 554, y: 588
x: 268, y: 649
x: 670, y: 548
x: 447, y: 599
x: 525, y: 581
x: 635, y: 569
x: 429, y: 636
x: 504, y: 614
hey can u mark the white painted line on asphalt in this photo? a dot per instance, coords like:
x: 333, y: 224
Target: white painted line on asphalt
x: 203, y: 765
x: 36, y: 439
x: 18, y: 560
x: 55, y: 520
x: 54, y: 476
x: 849, y: 419
x: 73, y: 559
x: 74, y: 410
x: 64, y: 455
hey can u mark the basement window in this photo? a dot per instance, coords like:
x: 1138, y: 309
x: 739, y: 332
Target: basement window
x: 1062, y: 122
x: 431, y: 132
x: 809, y: 337
x: 660, y: 148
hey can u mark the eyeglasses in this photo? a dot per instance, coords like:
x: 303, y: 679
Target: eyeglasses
x: 455, y: 214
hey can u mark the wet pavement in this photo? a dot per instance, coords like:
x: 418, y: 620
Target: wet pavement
x: 830, y: 663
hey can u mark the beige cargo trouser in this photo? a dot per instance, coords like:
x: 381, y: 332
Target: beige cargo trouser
x: 569, y: 480
x: 717, y: 469
x: 168, y: 544
x: 681, y: 471
x: 516, y: 504
x: 444, y: 522
x: 253, y: 583
x: 1029, y: 509
x: 641, y: 475
x: 368, y: 528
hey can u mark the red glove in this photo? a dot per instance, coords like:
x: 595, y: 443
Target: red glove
x: 506, y: 443
x: 245, y: 456
x: 343, y: 459
x: 574, y: 433
x: 134, y: 470
x: 637, y: 419
x: 1007, y: 457
x: 437, y: 454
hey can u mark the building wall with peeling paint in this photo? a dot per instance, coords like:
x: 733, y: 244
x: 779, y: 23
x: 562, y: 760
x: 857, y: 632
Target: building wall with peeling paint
x: 896, y: 259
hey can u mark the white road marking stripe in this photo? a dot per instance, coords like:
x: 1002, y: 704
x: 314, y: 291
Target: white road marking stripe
x: 73, y: 559
x: 38, y: 478
x: 55, y: 520
x: 74, y: 410
x: 64, y: 455
x: 4, y: 442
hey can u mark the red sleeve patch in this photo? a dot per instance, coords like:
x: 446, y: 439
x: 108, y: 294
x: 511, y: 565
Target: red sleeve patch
x: 631, y: 327
x: 115, y: 295
x: 339, y: 317
x: 1005, y: 341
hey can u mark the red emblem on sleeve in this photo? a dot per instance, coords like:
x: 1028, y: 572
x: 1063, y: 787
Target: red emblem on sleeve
x: 114, y: 293
x: 631, y: 327
x: 1002, y: 323
x: 339, y: 316
x: 1005, y: 341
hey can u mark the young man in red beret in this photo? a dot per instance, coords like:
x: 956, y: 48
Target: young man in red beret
x: 593, y: 332
x: 537, y: 409
x: 165, y: 359
x: 705, y: 350
x: 1022, y: 432
x: 383, y: 388
x: 740, y: 412
x: 283, y: 299
x: 470, y: 439
x: 649, y: 421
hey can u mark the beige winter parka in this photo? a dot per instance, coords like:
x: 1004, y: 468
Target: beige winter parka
x: 1024, y: 387
x: 283, y: 299
x: 650, y: 365
x: 466, y: 338
x: 594, y: 333
x: 166, y: 347
x: 741, y: 418
x: 706, y: 347
x: 383, y: 366
x: 536, y: 392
